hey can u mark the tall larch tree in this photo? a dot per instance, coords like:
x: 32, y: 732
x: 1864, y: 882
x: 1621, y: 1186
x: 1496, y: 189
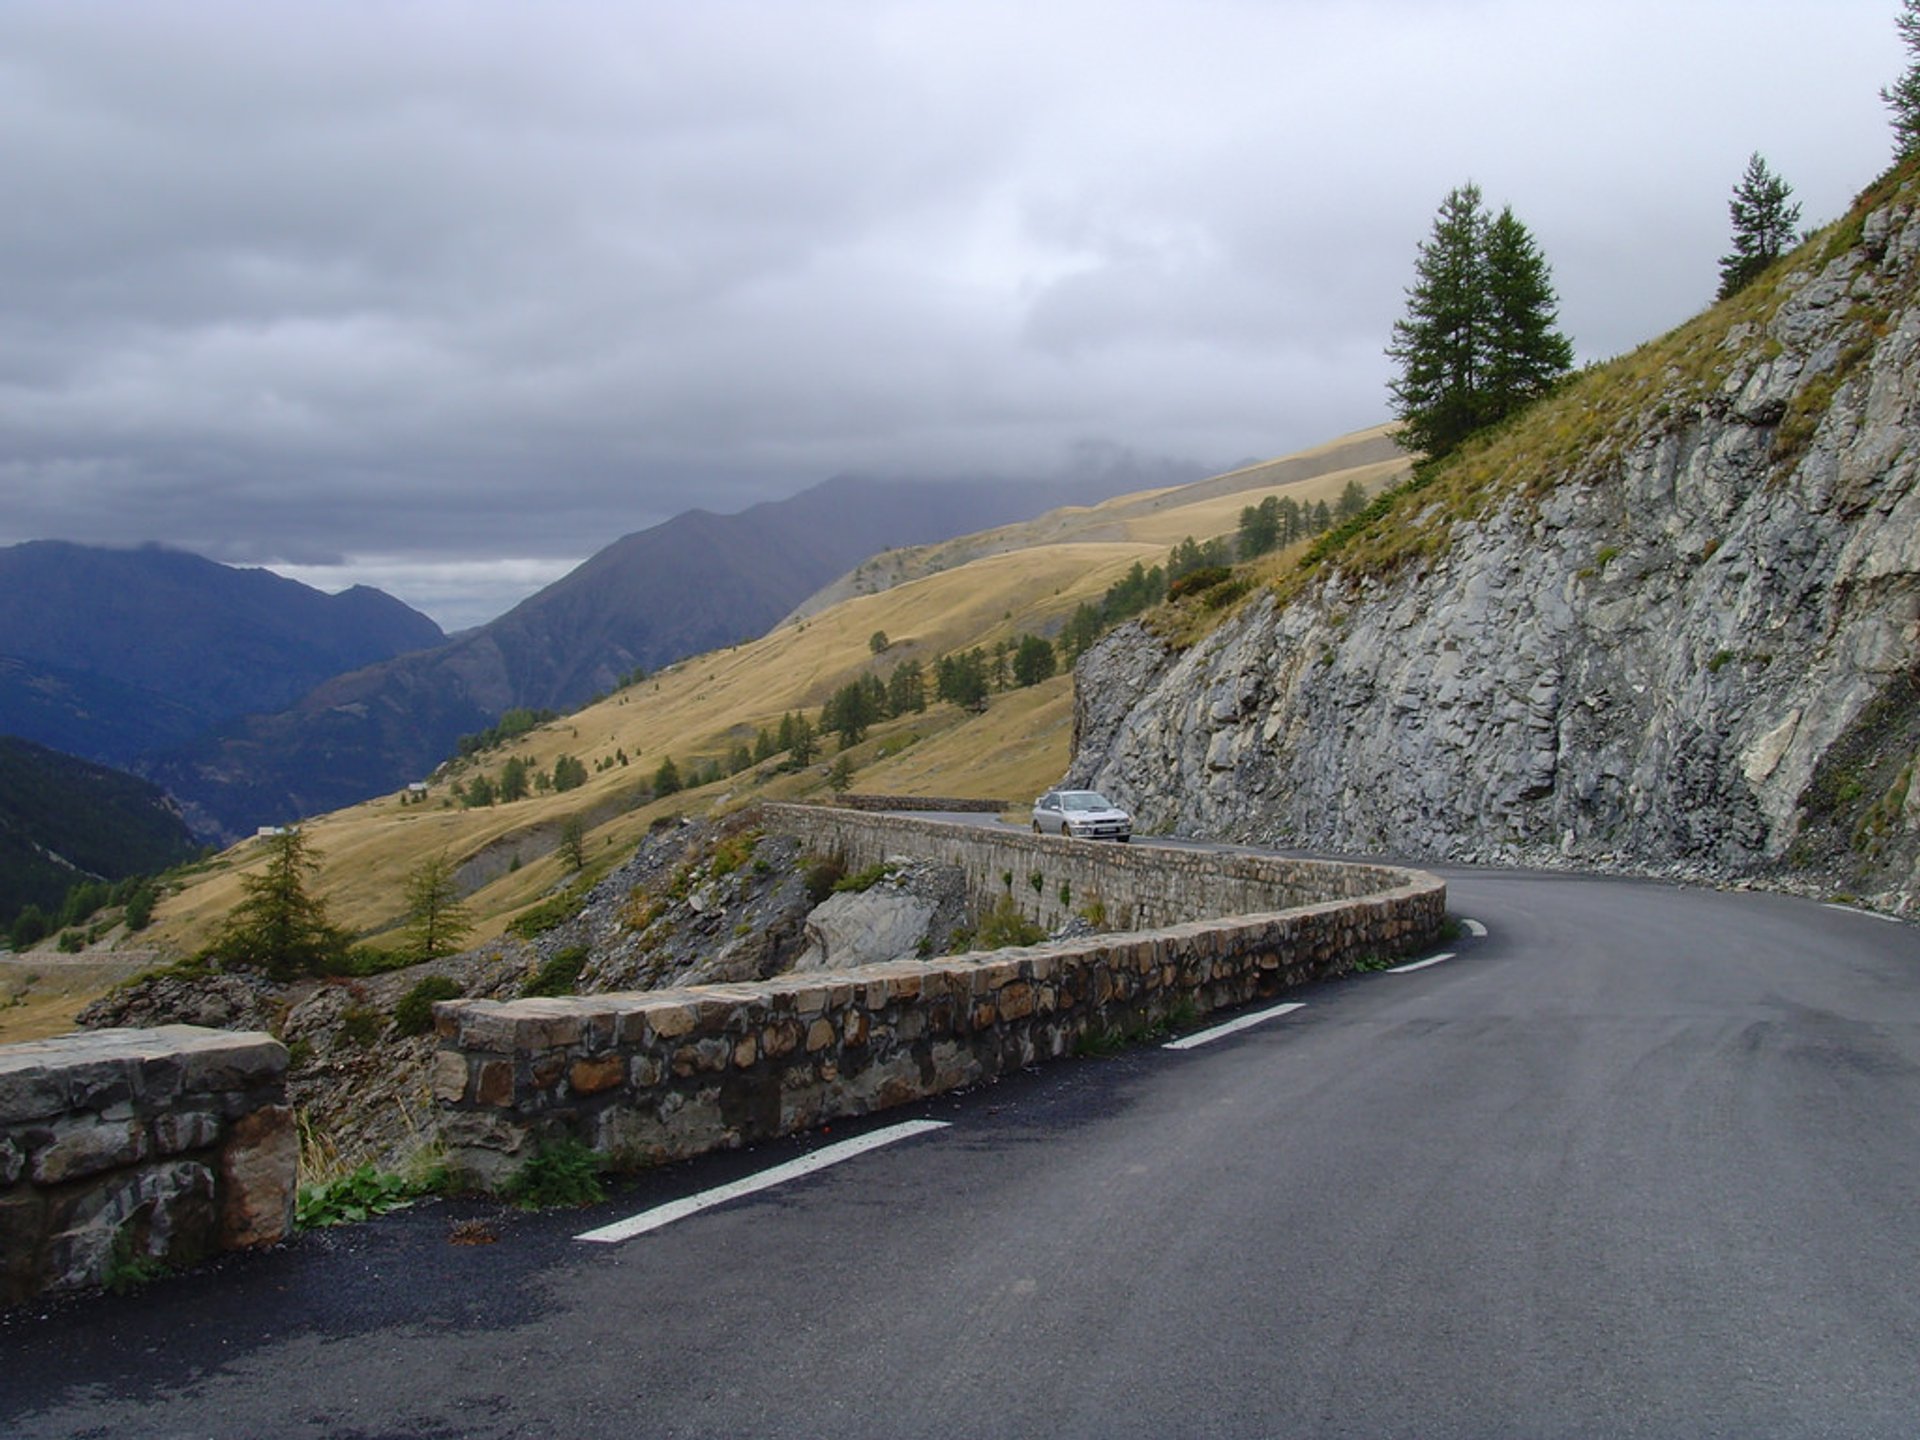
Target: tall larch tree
x: 1903, y: 96
x: 280, y: 927
x: 437, y: 923
x: 1480, y: 339
x: 1526, y: 353
x: 1763, y: 226
x: 1441, y: 341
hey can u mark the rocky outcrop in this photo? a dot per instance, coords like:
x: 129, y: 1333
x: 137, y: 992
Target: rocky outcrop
x: 1689, y: 641
x: 915, y: 909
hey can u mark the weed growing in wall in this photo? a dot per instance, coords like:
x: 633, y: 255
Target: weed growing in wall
x: 560, y: 1173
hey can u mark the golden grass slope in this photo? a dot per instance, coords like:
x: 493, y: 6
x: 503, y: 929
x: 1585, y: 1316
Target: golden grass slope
x: 1023, y: 579
x: 1163, y: 517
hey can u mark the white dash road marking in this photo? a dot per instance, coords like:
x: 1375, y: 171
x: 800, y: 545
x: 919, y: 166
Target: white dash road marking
x: 1476, y: 929
x: 1870, y: 914
x: 1421, y: 964
x: 662, y: 1215
x: 1245, y: 1022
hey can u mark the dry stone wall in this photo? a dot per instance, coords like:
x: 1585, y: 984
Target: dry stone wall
x: 656, y: 1076
x: 126, y: 1147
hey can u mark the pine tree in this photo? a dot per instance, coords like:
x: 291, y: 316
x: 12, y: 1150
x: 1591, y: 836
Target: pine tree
x: 436, y: 920
x: 1903, y: 96
x: 277, y: 926
x: 840, y: 777
x: 513, y: 780
x: 1479, y: 339
x: 1259, y: 528
x: 1526, y: 353
x: 1763, y: 226
x: 1441, y: 343
x: 573, y: 842
x: 803, y: 745
x: 666, y: 779
x: 1033, y: 661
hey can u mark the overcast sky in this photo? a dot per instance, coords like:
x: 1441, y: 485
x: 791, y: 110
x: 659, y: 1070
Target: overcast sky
x: 446, y: 296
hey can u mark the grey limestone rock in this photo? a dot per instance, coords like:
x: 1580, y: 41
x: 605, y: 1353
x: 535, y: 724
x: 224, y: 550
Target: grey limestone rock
x: 1672, y: 660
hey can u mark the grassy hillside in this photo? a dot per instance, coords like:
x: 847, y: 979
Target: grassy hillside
x: 1577, y: 434
x: 700, y: 709
x: 1156, y: 517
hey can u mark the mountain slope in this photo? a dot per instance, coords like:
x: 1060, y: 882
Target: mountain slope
x: 1162, y: 514
x: 63, y: 820
x: 697, y: 582
x: 1666, y: 620
x: 111, y: 653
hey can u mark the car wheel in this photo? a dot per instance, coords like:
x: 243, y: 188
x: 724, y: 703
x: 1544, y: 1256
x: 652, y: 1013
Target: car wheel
x: 1036, y: 828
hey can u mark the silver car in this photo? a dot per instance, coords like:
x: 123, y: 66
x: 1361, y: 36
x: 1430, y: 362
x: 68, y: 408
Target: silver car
x: 1083, y: 814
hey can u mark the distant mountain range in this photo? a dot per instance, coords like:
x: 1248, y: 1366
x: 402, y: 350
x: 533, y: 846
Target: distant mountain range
x: 114, y: 654
x: 255, y: 700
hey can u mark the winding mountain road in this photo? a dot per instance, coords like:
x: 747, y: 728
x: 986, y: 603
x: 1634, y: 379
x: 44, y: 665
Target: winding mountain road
x: 1638, y: 1161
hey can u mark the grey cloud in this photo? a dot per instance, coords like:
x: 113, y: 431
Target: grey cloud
x: 464, y: 292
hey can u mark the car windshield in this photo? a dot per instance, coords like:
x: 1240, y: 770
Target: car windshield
x: 1084, y: 800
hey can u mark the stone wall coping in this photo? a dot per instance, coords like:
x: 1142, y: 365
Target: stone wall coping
x: 159, y: 1042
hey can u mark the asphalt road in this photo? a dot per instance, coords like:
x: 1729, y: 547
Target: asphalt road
x: 1640, y: 1161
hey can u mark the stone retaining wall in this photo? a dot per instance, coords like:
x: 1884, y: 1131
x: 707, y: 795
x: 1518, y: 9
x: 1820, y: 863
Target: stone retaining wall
x: 119, y: 1147
x: 1135, y: 887
x: 851, y: 801
x: 661, y: 1075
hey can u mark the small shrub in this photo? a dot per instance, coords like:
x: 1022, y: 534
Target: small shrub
x: 361, y: 1025
x: 1100, y: 1043
x: 562, y: 1172
x: 550, y: 913
x: 1004, y: 925
x: 733, y: 852
x: 864, y: 881
x: 1224, y: 594
x: 351, y: 1198
x: 363, y: 960
x: 641, y: 910
x: 1103, y: 1042
x: 414, y: 1014
x: 1195, y: 581
x: 125, y: 1271
x: 823, y: 874
x: 559, y: 974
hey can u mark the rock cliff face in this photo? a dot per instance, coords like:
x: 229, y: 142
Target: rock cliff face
x: 1681, y: 633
